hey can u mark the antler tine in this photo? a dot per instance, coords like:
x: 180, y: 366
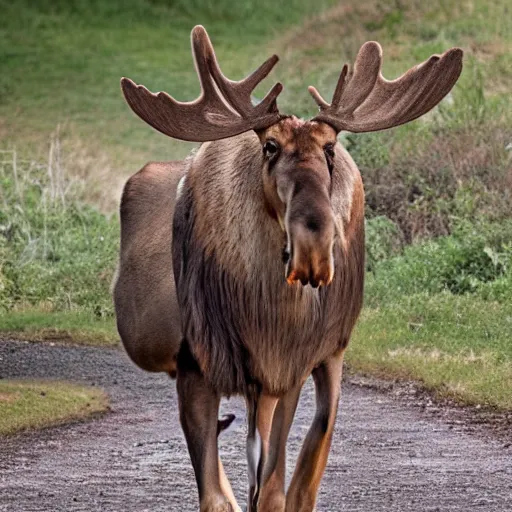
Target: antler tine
x: 223, y: 109
x: 204, y: 58
x: 322, y: 104
x: 337, y: 92
x: 261, y: 73
x: 268, y: 103
x: 365, y: 101
x: 238, y: 93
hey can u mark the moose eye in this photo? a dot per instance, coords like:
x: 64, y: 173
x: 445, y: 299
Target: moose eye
x: 329, y: 156
x: 271, y: 149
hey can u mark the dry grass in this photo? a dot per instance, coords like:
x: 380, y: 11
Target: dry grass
x: 72, y: 171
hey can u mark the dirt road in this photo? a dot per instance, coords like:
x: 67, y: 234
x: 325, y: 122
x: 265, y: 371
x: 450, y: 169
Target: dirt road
x: 387, y: 454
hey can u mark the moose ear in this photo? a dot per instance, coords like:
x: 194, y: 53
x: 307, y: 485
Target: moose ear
x: 223, y: 109
x: 364, y: 101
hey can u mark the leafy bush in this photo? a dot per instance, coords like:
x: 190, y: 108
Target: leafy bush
x: 382, y: 240
x: 474, y: 259
x: 454, y: 164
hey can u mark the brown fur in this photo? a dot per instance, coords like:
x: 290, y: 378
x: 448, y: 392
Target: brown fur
x: 267, y: 257
x: 246, y: 329
x: 147, y: 313
x: 243, y: 323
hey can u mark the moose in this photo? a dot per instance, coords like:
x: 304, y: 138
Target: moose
x: 242, y: 267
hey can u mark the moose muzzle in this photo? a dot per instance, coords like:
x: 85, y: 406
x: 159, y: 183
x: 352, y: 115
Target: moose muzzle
x: 310, y: 251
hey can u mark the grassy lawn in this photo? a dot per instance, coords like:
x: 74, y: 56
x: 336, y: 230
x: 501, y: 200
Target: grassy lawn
x: 61, y: 62
x: 456, y: 346
x: 26, y: 405
x: 441, y: 313
x: 76, y: 327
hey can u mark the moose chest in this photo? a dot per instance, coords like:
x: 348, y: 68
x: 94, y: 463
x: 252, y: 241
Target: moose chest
x: 255, y: 328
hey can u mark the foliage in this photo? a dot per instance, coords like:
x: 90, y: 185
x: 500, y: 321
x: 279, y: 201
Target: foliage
x: 476, y: 259
x: 382, y: 240
x: 455, y: 345
x: 438, y: 189
x: 61, y: 62
x: 440, y: 313
x: 427, y: 176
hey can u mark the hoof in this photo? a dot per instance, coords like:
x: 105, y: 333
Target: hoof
x: 221, y: 505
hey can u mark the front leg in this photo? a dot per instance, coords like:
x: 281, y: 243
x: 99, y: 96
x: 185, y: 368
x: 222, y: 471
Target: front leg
x: 260, y: 411
x: 199, y: 407
x: 301, y: 496
x: 272, y: 495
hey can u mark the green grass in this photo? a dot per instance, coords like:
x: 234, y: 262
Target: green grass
x: 57, y: 257
x: 28, y: 405
x: 76, y: 327
x: 455, y: 346
x: 61, y: 62
x: 440, y: 313
x: 55, y: 251
x: 476, y: 259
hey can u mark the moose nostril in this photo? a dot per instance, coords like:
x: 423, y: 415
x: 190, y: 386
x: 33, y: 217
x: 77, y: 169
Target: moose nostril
x: 313, y: 282
x: 286, y: 255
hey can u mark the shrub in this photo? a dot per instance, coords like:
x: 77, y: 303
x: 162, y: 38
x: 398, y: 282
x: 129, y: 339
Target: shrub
x: 454, y: 164
x: 476, y: 258
x: 382, y: 240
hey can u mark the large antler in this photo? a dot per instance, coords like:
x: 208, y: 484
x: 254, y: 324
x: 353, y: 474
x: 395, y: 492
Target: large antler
x: 364, y: 101
x: 223, y: 109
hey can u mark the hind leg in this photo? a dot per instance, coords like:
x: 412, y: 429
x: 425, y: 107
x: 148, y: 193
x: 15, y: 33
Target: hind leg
x: 260, y: 411
x: 225, y: 486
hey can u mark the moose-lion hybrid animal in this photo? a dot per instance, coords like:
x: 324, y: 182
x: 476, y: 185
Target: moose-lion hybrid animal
x: 241, y: 268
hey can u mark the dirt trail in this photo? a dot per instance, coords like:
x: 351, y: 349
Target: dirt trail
x: 386, y: 456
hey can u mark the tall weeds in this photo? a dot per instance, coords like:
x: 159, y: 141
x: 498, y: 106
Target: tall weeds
x: 55, y: 251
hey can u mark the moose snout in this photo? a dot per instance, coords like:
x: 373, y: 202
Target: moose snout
x: 310, y: 258
x: 316, y: 273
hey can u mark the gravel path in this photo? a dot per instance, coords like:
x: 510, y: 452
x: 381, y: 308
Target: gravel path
x: 386, y: 455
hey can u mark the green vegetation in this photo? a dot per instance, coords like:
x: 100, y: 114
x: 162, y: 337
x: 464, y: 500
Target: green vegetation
x: 438, y: 190
x: 79, y: 327
x: 61, y: 62
x: 441, y: 313
x: 456, y: 346
x: 57, y: 256
x: 26, y: 405
x: 54, y: 250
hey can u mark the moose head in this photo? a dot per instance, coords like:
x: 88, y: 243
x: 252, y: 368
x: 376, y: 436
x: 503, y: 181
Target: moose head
x: 298, y: 156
